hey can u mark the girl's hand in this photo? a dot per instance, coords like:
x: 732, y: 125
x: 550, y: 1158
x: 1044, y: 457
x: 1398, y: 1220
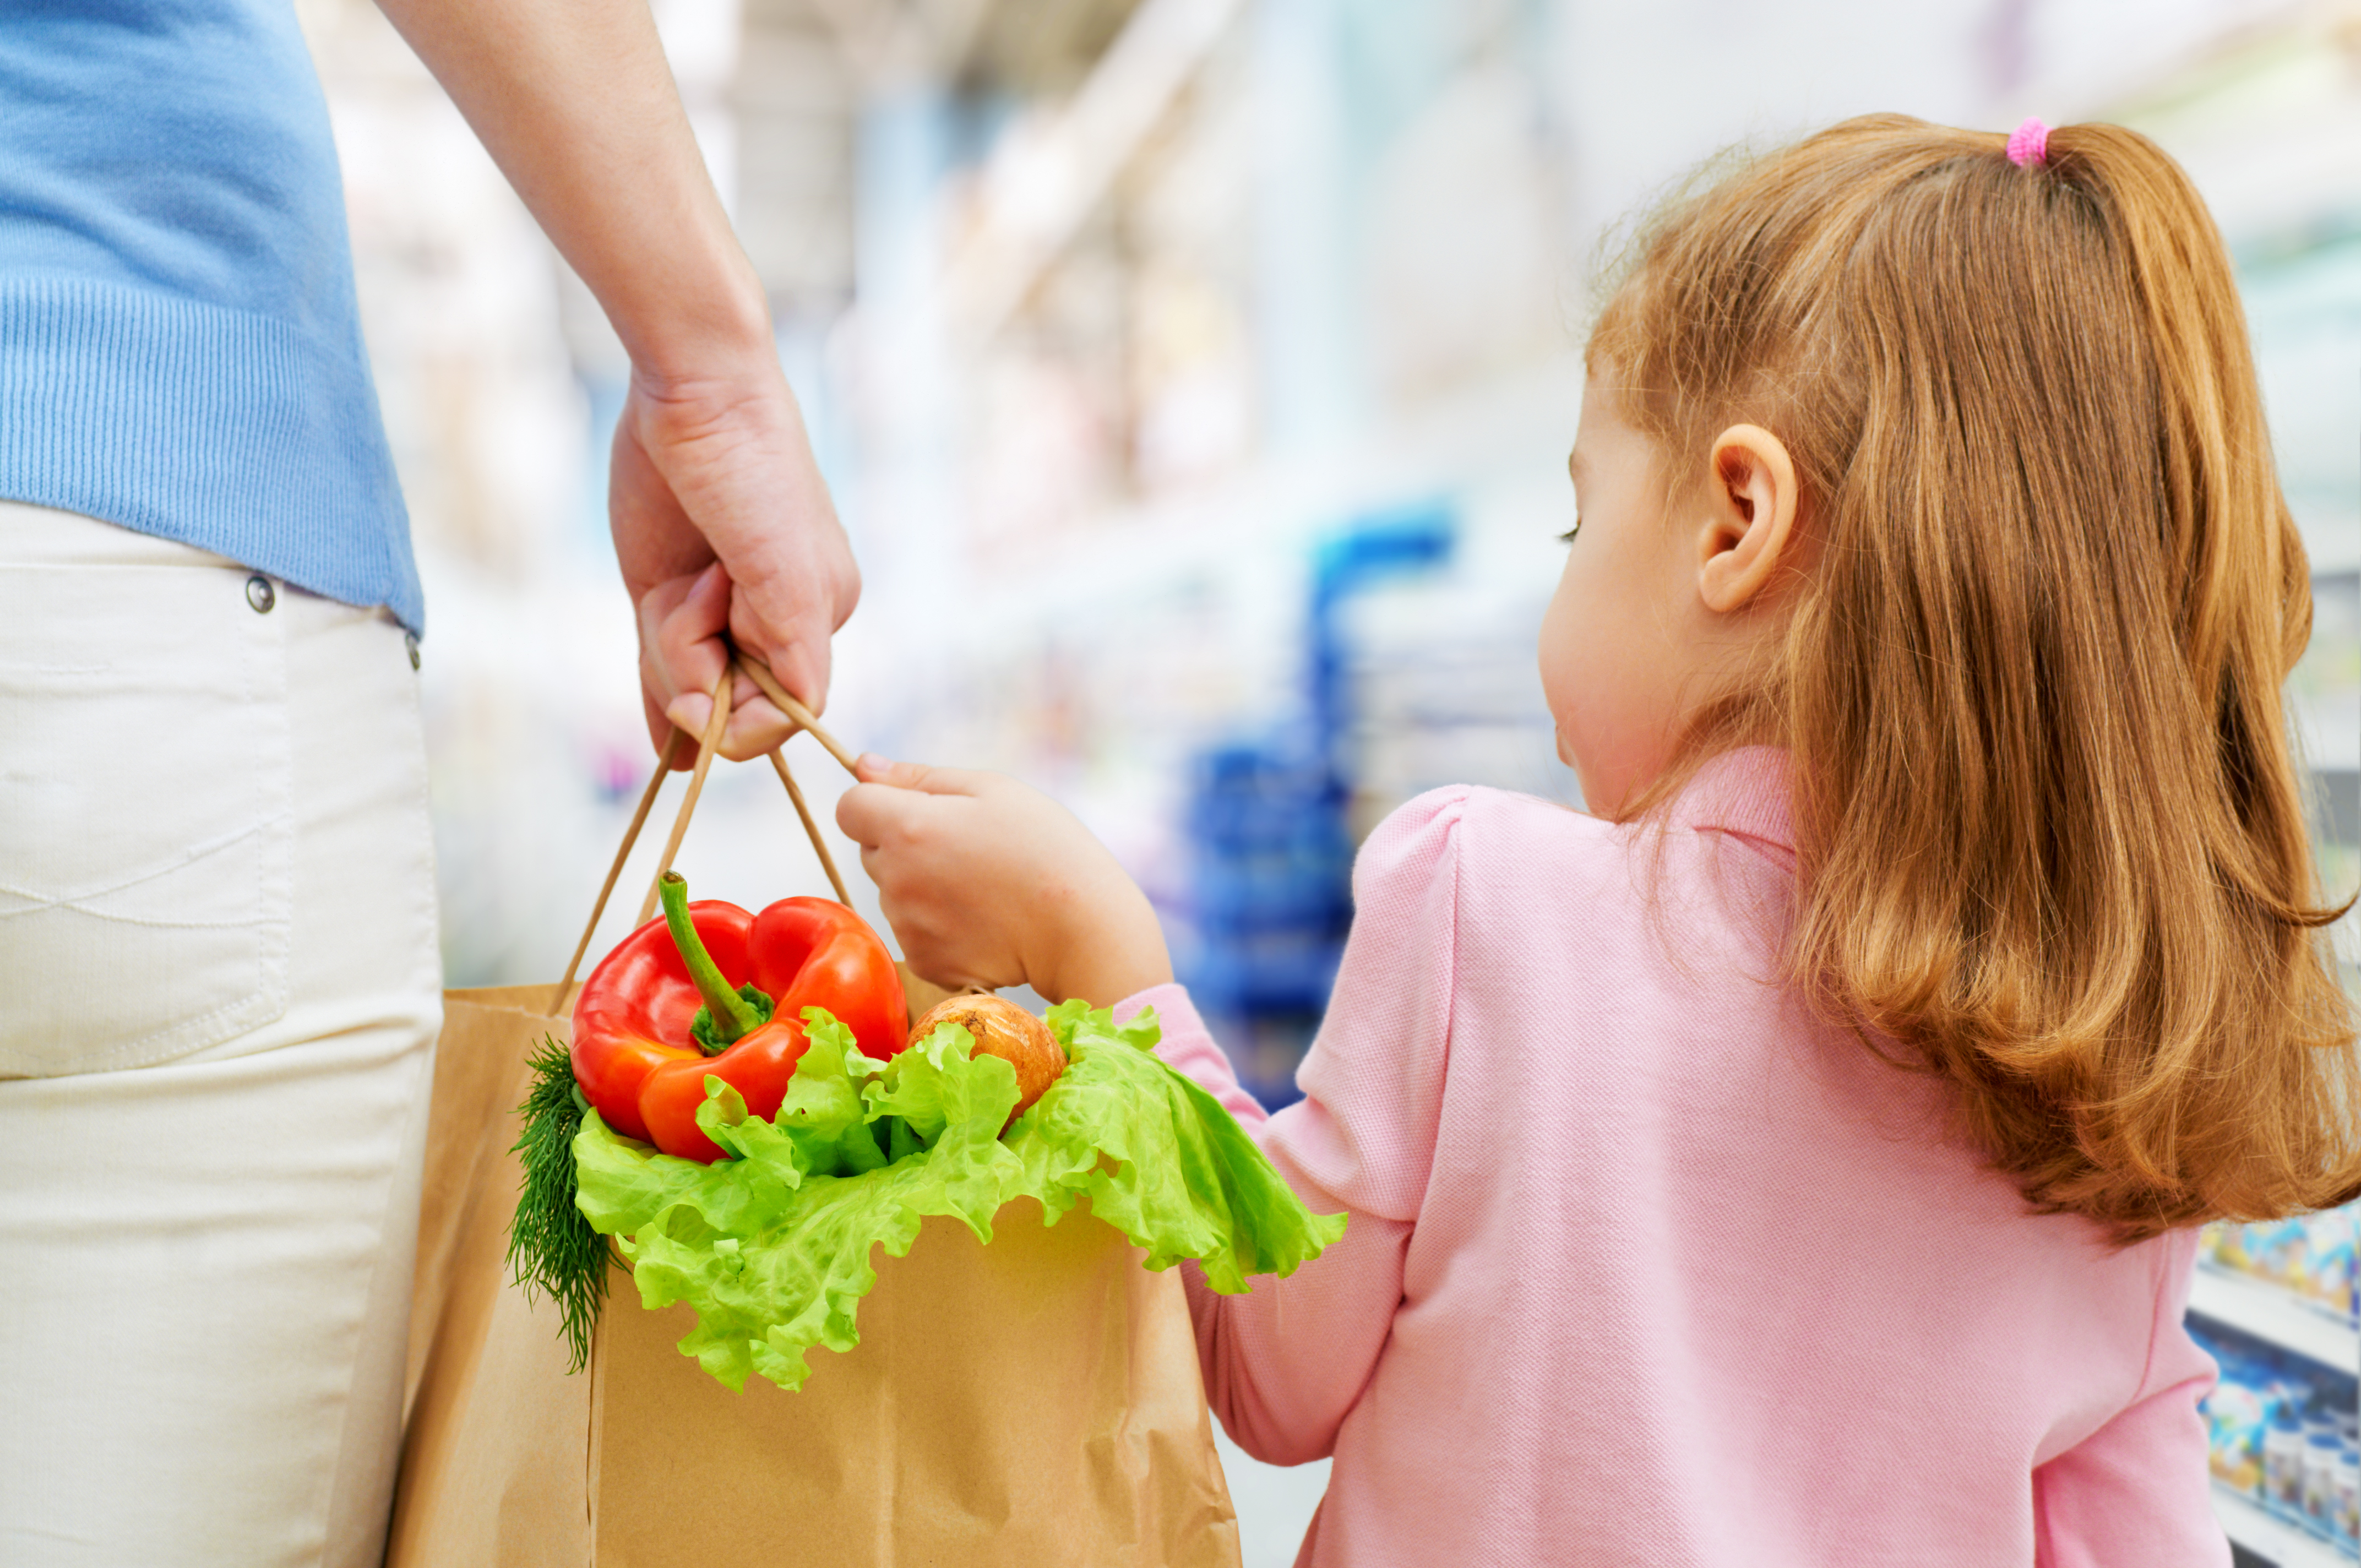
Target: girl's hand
x: 989, y: 882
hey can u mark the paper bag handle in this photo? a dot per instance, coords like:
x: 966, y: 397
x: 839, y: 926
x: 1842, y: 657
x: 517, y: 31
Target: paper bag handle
x: 760, y: 673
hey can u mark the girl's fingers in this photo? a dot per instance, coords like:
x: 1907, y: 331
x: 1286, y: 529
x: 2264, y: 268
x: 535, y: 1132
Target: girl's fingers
x: 871, y: 768
x: 873, y: 814
x: 941, y: 936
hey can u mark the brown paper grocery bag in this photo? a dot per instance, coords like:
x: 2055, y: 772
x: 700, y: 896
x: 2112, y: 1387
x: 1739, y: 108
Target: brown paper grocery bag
x: 1034, y: 1403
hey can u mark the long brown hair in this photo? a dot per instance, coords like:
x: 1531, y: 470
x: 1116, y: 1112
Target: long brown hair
x: 2050, y: 830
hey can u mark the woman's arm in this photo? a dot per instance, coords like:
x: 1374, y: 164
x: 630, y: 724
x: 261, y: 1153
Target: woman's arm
x: 575, y: 103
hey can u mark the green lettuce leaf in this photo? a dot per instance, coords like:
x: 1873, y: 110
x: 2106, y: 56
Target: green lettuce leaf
x: 1185, y: 1181
x: 772, y: 1246
x: 823, y: 1113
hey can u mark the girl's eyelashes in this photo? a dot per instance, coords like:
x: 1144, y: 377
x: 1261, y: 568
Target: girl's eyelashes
x: 1567, y: 537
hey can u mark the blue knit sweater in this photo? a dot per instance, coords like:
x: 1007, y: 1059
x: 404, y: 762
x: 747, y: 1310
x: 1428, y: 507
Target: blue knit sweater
x: 179, y: 346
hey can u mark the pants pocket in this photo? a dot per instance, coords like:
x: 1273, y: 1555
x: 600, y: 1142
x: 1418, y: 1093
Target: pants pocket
x: 146, y: 815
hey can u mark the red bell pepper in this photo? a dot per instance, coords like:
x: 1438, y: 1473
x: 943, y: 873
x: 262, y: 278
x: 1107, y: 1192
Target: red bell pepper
x: 746, y: 979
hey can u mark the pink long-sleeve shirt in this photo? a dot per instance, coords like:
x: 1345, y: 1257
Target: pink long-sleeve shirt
x: 1646, y: 1265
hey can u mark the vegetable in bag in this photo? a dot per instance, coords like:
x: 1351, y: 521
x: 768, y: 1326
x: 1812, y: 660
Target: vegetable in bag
x: 768, y: 1237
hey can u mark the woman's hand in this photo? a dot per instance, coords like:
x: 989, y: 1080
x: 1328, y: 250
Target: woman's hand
x: 574, y: 101
x: 989, y: 882
x: 705, y: 476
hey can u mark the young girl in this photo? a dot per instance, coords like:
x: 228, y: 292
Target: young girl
x: 1793, y: 1161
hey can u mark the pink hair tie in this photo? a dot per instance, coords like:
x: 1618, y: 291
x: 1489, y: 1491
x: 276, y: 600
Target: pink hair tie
x: 2029, y: 143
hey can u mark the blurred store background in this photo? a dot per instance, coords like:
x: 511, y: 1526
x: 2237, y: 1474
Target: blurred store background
x: 1195, y: 378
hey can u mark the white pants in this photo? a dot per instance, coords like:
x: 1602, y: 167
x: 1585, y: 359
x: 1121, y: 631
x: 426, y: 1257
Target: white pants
x: 219, y: 991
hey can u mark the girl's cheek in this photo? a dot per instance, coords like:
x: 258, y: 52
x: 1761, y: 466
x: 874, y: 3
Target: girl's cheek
x: 1560, y: 652
x: 1598, y: 677
x: 1568, y: 685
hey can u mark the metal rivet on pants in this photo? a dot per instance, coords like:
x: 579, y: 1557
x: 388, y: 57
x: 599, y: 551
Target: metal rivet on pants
x: 260, y: 594
x: 409, y: 640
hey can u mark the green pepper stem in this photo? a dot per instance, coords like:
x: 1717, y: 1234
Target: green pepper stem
x: 732, y: 1013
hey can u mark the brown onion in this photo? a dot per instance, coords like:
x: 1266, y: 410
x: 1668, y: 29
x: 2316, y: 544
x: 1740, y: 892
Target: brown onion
x: 1005, y: 1030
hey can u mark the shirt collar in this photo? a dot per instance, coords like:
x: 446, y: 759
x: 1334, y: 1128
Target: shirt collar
x: 1743, y: 791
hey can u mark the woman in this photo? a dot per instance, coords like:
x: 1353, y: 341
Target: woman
x: 218, y: 934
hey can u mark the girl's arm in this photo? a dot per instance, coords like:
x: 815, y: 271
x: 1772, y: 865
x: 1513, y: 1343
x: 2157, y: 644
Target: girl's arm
x: 575, y: 101
x: 2133, y: 1492
x: 1285, y: 1364
x: 988, y: 883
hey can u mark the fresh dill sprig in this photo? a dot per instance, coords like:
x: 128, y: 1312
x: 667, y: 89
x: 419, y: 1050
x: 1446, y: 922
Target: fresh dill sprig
x: 551, y: 1248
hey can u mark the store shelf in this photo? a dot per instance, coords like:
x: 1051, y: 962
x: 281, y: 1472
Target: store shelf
x: 2272, y: 1315
x: 2268, y: 1536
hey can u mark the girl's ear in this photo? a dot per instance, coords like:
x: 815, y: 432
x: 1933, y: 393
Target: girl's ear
x: 1750, y: 504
